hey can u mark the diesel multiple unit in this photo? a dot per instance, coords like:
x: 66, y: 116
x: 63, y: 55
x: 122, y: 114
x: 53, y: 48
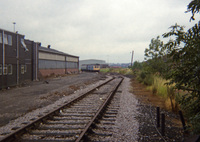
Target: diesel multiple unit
x: 25, y: 60
x: 90, y: 67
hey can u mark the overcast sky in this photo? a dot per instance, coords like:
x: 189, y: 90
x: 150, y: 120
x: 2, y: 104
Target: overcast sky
x: 95, y: 29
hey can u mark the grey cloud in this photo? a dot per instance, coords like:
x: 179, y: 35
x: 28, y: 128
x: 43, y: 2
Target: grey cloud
x: 94, y: 28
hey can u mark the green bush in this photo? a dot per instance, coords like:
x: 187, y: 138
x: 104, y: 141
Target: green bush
x: 142, y: 75
x: 149, y: 80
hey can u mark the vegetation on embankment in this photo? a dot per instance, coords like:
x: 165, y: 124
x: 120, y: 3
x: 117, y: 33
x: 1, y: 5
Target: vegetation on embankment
x: 123, y: 71
x: 154, y: 83
x: 174, y: 68
x: 158, y: 86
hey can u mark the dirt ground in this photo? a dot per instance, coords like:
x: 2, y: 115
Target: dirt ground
x: 147, y: 118
x: 17, y: 101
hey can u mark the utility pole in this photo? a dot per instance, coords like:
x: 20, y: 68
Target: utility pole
x: 132, y: 58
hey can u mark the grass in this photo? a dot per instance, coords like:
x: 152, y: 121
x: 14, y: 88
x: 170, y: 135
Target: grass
x: 123, y: 71
x: 104, y: 70
x: 160, y: 88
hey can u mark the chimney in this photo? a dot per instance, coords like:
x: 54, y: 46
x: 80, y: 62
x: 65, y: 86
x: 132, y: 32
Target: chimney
x: 48, y: 46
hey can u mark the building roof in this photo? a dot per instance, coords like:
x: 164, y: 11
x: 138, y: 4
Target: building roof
x: 11, y: 32
x: 50, y: 50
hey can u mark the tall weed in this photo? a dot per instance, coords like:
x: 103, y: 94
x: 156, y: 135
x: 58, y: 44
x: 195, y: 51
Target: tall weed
x: 158, y: 87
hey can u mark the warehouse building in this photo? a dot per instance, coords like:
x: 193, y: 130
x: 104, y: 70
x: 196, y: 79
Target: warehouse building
x: 24, y: 60
x: 55, y: 62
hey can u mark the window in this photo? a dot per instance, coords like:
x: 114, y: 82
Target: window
x: 23, y: 44
x: 9, y: 69
x: 5, y: 70
x: 22, y: 69
x: 5, y: 39
x: 0, y: 69
x: 1, y: 38
x: 10, y: 40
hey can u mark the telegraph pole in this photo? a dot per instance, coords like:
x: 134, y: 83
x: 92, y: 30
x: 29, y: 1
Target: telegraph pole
x: 132, y: 58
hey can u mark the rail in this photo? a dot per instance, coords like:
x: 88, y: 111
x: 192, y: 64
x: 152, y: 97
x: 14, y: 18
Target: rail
x: 15, y: 135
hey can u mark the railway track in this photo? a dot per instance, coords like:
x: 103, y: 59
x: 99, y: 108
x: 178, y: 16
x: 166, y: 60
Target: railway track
x: 86, y: 118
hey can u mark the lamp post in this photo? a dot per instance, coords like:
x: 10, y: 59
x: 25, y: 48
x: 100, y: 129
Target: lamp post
x: 14, y: 26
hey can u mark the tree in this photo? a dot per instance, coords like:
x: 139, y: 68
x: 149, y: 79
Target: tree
x: 155, y: 56
x: 137, y: 65
x: 184, y: 52
x: 155, y: 49
x: 193, y: 7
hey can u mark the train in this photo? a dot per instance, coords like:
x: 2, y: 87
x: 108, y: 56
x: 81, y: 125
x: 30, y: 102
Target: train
x: 90, y: 67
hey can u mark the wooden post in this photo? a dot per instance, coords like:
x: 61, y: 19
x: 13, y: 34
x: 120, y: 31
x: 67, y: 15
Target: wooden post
x: 158, y: 116
x: 163, y: 124
x: 182, y: 120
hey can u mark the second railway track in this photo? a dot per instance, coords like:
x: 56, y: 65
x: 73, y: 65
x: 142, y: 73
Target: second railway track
x: 87, y: 118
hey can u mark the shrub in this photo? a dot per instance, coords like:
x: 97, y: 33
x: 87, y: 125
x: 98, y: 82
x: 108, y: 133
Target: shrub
x: 149, y: 80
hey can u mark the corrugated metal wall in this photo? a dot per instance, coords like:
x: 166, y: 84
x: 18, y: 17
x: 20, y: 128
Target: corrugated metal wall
x: 71, y: 59
x: 50, y: 64
x: 72, y: 65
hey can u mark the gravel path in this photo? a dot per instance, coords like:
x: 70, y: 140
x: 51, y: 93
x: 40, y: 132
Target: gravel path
x: 127, y: 126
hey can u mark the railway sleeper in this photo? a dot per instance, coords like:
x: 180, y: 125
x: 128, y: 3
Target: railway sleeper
x: 58, y: 133
x: 71, y: 121
x: 113, y: 106
x: 39, y: 138
x: 98, y: 138
x: 65, y: 123
x: 103, y: 127
x: 79, y: 109
x: 110, y: 112
x: 57, y: 118
x: 73, y: 118
x: 109, y: 116
x: 77, y: 112
x: 52, y: 127
x: 100, y: 132
x: 47, y: 140
x: 108, y: 119
x: 77, y: 115
x: 106, y: 123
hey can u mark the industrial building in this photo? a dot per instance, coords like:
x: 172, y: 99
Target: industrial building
x: 24, y: 60
x: 55, y: 62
